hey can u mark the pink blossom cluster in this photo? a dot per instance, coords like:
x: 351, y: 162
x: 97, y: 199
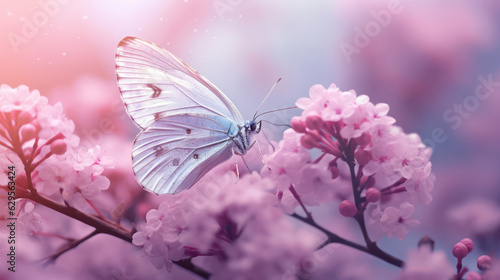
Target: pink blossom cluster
x: 235, y: 225
x: 391, y: 169
x: 367, y: 163
x: 37, y: 139
x: 425, y: 263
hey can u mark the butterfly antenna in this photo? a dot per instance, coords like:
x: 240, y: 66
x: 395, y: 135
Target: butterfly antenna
x: 277, y: 124
x: 276, y: 110
x: 254, y: 116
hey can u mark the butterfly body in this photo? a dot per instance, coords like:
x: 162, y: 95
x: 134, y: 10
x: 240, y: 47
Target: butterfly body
x: 188, y: 125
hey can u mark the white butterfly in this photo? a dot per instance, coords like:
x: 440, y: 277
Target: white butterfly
x: 189, y: 126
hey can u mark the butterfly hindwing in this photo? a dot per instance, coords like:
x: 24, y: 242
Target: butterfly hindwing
x: 175, y: 151
x: 154, y: 83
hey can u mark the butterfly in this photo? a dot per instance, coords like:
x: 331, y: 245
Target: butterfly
x: 188, y: 125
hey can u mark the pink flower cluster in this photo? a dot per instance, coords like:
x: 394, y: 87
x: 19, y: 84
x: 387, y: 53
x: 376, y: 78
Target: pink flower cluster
x: 75, y: 174
x: 425, y: 263
x: 372, y: 166
x: 234, y: 224
x: 38, y: 139
x: 391, y: 168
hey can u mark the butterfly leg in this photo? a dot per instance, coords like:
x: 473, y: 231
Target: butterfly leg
x: 236, y: 163
x: 260, y: 151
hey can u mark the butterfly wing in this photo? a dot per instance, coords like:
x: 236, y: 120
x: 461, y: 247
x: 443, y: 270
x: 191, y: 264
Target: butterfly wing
x: 176, y: 151
x: 154, y: 83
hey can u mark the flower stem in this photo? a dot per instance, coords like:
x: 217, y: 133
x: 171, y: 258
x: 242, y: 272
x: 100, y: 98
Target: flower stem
x: 333, y: 238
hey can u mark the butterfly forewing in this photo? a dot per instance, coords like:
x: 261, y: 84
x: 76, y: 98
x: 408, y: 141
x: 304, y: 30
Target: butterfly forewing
x: 188, y: 125
x: 154, y: 83
x: 175, y: 151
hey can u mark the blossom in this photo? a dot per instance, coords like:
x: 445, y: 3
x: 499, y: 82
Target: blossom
x: 84, y: 186
x: 285, y: 163
x: 30, y: 221
x: 55, y: 175
x: 240, y: 224
x: 479, y: 216
x: 358, y: 140
x: 19, y: 99
x: 101, y: 161
x: 420, y: 185
x: 332, y: 104
x: 395, y: 220
x: 425, y: 264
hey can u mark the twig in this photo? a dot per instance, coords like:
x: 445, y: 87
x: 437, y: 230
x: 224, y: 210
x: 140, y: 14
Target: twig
x: 333, y: 238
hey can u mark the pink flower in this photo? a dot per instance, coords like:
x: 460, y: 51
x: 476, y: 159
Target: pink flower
x: 239, y: 224
x: 420, y: 185
x: 358, y: 122
x: 382, y: 161
x: 84, y: 186
x: 331, y: 104
x: 81, y: 158
x: 20, y: 99
x: 30, y: 221
x: 314, y: 183
x: 55, y: 175
x: 100, y: 160
x: 395, y: 220
x: 478, y: 217
x: 53, y: 121
x: 425, y: 264
x: 286, y: 161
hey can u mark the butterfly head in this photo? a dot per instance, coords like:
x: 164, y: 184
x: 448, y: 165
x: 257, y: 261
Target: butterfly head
x: 252, y: 126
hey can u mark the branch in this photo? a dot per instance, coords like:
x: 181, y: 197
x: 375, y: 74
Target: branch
x: 333, y: 238
x: 71, y: 245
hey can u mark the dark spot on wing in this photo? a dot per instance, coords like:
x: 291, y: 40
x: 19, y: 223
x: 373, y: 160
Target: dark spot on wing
x: 195, y: 156
x: 157, y: 115
x: 158, y: 150
x: 156, y: 90
x: 188, y: 131
x: 175, y: 162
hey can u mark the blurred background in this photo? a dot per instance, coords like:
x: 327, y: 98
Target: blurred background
x: 436, y: 63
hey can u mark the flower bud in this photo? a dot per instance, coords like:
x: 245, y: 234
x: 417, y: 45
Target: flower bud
x: 373, y: 195
x: 347, y: 208
x: 27, y: 152
x: 484, y: 262
x: 468, y: 243
x: 368, y: 180
x: 314, y: 122
x: 36, y: 124
x: 58, y: 147
x: 333, y: 168
x: 28, y: 132
x: 426, y: 241
x: 460, y: 251
x: 308, y: 141
x: 316, y: 135
x: 362, y: 157
x: 335, y: 171
x: 24, y: 118
x: 364, y: 139
x: 298, y: 125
